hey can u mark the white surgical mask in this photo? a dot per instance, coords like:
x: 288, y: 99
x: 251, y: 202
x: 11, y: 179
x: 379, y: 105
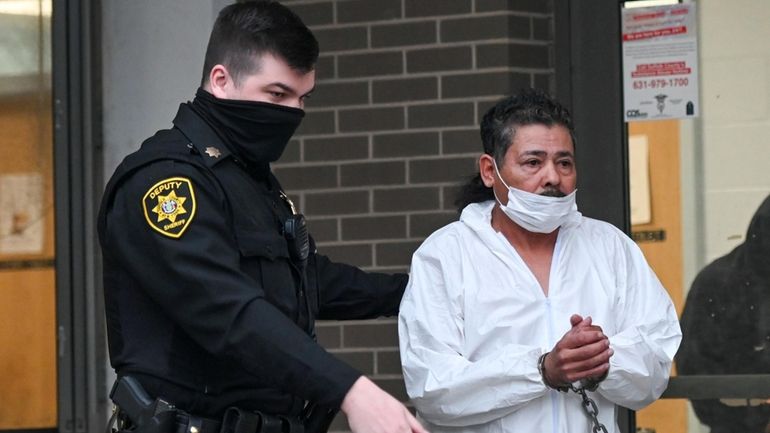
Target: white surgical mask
x: 537, y: 213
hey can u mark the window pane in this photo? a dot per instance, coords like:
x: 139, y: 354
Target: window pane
x: 27, y: 309
x: 707, y: 230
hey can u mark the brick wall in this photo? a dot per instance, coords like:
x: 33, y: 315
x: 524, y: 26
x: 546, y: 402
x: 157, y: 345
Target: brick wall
x: 392, y: 130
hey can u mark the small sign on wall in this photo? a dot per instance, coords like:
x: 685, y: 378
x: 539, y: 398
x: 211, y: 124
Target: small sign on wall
x: 660, y: 62
x: 21, y: 213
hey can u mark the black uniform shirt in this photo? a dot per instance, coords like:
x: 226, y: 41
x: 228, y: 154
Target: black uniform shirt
x: 203, y: 303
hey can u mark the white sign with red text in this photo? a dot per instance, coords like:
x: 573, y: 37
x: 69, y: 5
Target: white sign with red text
x: 660, y: 63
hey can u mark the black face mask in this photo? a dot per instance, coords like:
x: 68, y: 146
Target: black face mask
x: 257, y: 131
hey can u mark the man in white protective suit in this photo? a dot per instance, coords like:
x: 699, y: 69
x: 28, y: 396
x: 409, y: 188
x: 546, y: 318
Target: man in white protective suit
x: 523, y: 310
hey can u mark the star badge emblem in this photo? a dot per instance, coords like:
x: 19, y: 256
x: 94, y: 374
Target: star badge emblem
x: 213, y: 152
x: 169, y: 207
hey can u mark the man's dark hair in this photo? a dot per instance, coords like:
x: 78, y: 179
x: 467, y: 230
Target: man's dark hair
x: 498, y: 129
x: 245, y: 31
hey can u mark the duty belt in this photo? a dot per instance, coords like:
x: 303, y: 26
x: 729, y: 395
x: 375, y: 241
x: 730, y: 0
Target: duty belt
x: 234, y: 421
x: 136, y: 412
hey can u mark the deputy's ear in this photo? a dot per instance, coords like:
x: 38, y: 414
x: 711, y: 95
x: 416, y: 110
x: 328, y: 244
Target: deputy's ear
x: 487, y: 170
x: 220, y: 81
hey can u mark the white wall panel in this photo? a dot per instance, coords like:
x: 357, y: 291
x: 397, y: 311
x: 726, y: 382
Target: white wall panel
x: 152, y: 61
x: 732, y: 27
x: 736, y: 156
x: 734, y: 89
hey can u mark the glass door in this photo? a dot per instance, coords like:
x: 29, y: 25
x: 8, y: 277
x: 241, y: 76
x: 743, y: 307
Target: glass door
x: 706, y: 227
x: 28, y: 362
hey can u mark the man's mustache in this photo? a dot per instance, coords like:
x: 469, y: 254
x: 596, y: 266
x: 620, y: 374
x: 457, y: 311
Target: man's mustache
x: 553, y: 192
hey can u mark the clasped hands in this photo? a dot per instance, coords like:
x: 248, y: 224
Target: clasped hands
x: 582, y: 354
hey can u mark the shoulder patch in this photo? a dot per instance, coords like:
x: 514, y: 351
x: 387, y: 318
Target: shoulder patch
x: 169, y: 206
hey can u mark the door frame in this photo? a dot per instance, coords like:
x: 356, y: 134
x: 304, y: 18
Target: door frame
x: 589, y: 81
x: 81, y: 341
x: 588, y: 62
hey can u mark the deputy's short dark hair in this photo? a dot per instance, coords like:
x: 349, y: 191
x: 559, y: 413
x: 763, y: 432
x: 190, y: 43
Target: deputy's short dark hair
x: 245, y: 31
x: 498, y: 129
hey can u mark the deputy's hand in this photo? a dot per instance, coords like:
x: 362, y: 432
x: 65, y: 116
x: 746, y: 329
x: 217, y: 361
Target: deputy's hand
x: 369, y: 409
x: 583, y: 352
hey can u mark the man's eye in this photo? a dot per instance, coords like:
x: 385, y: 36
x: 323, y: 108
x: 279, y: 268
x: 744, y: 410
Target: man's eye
x: 277, y: 94
x: 532, y: 163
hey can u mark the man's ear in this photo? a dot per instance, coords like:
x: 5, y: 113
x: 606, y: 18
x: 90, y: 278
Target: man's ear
x: 487, y: 170
x: 220, y: 82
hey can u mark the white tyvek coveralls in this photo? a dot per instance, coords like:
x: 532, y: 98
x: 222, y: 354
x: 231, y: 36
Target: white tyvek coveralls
x: 474, y: 321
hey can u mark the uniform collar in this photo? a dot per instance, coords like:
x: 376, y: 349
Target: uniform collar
x: 201, y: 135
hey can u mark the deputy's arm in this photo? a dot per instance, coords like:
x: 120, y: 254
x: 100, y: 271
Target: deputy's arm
x: 346, y: 292
x: 196, y: 280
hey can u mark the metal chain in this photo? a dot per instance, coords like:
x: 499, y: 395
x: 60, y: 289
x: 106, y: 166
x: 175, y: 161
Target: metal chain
x: 590, y: 408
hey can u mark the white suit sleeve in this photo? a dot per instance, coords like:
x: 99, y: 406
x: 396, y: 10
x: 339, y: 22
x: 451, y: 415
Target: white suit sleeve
x: 445, y: 386
x: 647, y: 338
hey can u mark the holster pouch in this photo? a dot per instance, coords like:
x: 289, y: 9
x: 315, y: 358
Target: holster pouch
x: 135, y: 411
x: 240, y: 421
x: 237, y: 421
